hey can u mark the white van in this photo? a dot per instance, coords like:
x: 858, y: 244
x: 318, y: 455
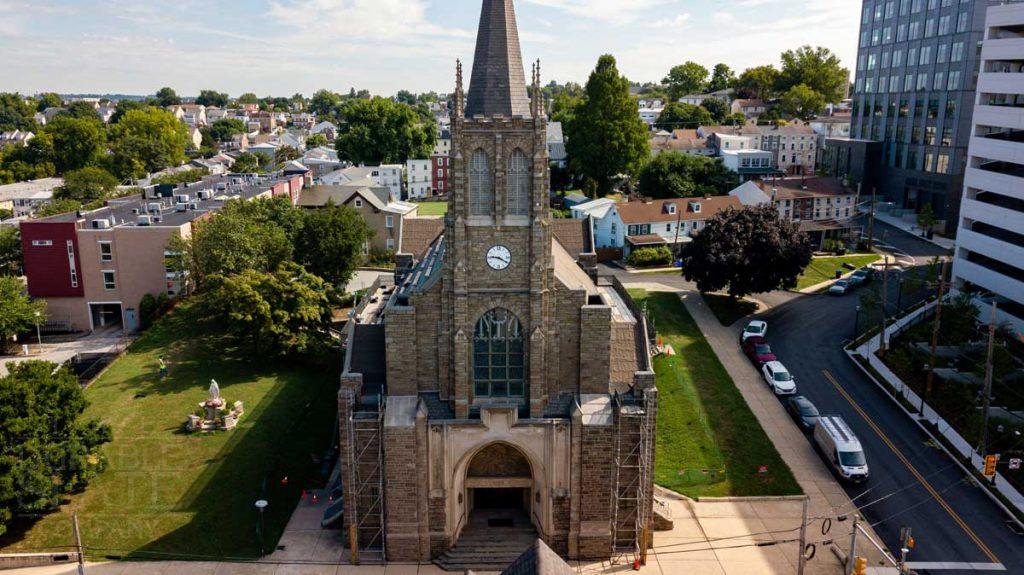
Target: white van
x: 841, y: 448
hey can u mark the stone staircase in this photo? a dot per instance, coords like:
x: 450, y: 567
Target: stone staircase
x: 487, y: 548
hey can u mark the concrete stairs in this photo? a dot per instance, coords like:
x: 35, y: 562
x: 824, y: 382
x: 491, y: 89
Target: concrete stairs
x: 487, y: 548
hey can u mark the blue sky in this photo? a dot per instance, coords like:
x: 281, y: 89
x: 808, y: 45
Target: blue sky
x: 280, y: 47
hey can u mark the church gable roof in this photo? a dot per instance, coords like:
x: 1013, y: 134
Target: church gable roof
x: 498, y: 86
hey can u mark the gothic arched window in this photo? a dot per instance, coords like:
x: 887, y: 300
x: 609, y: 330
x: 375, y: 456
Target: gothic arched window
x: 481, y: 192
x: 518, y: 199
x: 498, y: 357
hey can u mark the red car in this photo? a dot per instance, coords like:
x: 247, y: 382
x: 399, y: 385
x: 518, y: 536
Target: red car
x: 758, y: 350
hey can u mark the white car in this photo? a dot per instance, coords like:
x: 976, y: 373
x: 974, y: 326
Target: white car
x: 756, y: 328
x: 841, y: 287
x: 779, y: 378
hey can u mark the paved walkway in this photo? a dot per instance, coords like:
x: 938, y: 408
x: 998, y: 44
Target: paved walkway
x: 911, y: 228
x: 59, y: 352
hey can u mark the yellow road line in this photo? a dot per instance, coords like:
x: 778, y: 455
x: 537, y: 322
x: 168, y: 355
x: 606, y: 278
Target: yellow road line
x: 935, y: 494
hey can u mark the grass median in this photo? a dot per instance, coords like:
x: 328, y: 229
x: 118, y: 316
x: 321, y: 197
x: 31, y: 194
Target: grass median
x: 167, y: 493
x: 709, y: 444
x: 824, y: 269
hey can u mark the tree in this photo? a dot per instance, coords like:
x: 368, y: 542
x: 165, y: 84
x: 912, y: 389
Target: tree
x: 758, y: 82
x: 87, y: 184
x: 817, y: 68
x: 748, y: 251
x: 17, y: 310
x: 721, y: 78
x: 285, y: 311
x: 606, y: 137
x: 801, y: 102
x: 243, y: 236
x: 285, y: 154
x: 563, y: 107
x: 324, y: 103
x: 676, y: 175
x: 30, y: 162
x: 10, y: 251
x: 678, y: 116
x: 16, y: 113
x: 316, y: 141
x: 125, y: 106
x: 687, y: 78
x: 213, y: 98
x: 246, y: 163
x: 76, y: 142
x: 81, y: 109
x: 46, y: 449
x: 382, y: 131
x: 48, y: 100
x: 331, y: 242
x: 718, y: 109
x: 226, y: 128
x: 248, y: 98
x: 56, y: 207
x: 406, y: 97
x: 167, y: 97
x: 737, y: 119
x: 147, y: 141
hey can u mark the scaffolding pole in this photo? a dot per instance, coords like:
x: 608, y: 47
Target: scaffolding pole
x: 367, y: 462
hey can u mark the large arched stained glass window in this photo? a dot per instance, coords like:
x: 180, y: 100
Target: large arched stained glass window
x: 498, y: 369
x: 481, y: 192
x: 518, y: 199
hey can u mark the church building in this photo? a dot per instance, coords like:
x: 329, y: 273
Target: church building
x: 498, y: 391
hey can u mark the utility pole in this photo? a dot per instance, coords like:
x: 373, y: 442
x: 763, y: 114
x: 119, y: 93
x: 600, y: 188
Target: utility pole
x: 935, y: 337
x: 675, y: 244
x: 851, y: 557
x: 906, y: 545
x: 885, y: 301
x: 802, y: 560
x: 78, y: 543
x: 871, y: 219
x: 989, y: 368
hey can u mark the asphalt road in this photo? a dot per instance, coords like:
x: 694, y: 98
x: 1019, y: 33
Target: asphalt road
x: 913, y: 484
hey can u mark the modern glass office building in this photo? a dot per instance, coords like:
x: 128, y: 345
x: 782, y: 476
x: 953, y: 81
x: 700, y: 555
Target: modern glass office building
x: 917, y: 68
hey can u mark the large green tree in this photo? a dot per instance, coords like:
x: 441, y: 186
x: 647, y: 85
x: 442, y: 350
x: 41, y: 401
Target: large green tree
x: 676, y: 175
x: 679, y: 116
x: 248, y: 98
x: 48, y: 100
x: 324, y: 103
x: 280, y: 312
x: 213, y: 98
x: 605, y: 136
x: 331, y: 242
x: 47, y: 449
x: 226, y: 128
x: 167, y: 97
x: 16, y: 113
x: 817, y: 68
x: 87, y: 184
x: 17, y: 310
x: 686, y: 78
x: 125, y: 106
x: 382, y: 131
x: 258, y: 235
x: 746, y: 251
x: 147, y: 141
x: 10, y: 251
x: 76, y: 142
x: 721, y: 78
x: 718, y: 109
x: 285, y: 154
x: 247, y: 163
x: 81, y: 109
x: 757, y: 82
x: 801, y: 102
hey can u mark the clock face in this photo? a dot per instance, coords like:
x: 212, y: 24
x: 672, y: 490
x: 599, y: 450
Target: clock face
x: 499, y: 257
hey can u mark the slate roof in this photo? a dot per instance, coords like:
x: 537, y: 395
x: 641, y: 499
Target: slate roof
x: 498, y: 86
x: 419, y: 233
x: 571, y: 234
x: 539, y: 559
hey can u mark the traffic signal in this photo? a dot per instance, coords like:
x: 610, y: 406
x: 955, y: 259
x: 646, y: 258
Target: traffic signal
x: 990, y: 466
x: 860, y: 566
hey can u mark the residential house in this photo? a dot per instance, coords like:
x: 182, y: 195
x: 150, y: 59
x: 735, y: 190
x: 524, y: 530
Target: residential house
x: 195, y: 137
x: 303, y: 120
x: 106, y: 113
x: 392, y: 176
x: 238, y: 142
x: 329, y: 130
x: 556, y: 145
x: 715, y: 135
x: 419, y: 179
x: 794, y: 145
x: 682, y: 141
x: 24, y: 198
x: 322, y: 160
x: 725, y: 96
x: 650, y: 115
x: 442, y: 168
x: 267, y: 150
x: 751, y: 195
x: 215, y: 114
x: 750, y: 164
x: 49, y: 114
x: 193, y: 115
x: 823, y: 207
x: 443, y: 147
x: 378, y: 207
x: 93, y: 268
x: 15, y: 138
x: 751, y: 108
x: 267, y: 120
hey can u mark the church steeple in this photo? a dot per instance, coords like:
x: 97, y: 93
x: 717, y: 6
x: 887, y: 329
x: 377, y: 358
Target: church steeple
x: 498, y: 86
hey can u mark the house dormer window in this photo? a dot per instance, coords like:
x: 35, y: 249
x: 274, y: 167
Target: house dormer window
x: 672, y: 208
x: 695, y: 206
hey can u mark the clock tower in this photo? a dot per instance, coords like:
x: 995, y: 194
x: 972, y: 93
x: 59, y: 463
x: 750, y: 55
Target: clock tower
x: 499, y: 255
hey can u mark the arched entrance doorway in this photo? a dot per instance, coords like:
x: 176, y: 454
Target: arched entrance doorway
x: 499, y: 487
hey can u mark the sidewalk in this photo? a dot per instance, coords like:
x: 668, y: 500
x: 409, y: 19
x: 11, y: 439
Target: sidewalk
x: 96, y: 342
x: 913, y: 230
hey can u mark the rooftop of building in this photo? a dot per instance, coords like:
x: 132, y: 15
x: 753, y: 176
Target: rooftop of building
x: 30, y: 189
x: 498, y: 85
x: 686, y: 209
x: 795, y: 188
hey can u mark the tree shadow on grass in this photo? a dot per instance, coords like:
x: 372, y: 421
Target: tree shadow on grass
x: 727, y: 309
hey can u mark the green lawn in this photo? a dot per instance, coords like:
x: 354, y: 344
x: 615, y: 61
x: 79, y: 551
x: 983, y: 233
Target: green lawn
x: 824, y: 269
x: 729, y: 310
x: 433, y: 208
x: 168, y: 492
x: 709, y: 443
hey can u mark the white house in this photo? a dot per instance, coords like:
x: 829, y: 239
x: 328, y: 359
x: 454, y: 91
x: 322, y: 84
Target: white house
x: 420, y: 179
x: 329, y: 130
x: 556, y: 145
x: 749, y: 163
x: 267, y: 150
x: 751, y: 195
x: 608, y: 228
x: 392, y: 176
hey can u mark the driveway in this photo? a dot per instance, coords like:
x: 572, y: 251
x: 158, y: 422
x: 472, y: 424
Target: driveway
x: 58, y: 351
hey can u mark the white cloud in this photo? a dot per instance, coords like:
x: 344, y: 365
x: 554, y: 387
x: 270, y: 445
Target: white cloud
x: 679, y: 21
x: 611, y: 11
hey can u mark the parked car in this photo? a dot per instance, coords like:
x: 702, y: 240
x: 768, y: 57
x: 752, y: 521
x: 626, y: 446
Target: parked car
x: 756, y: 328
x: 803, y: 411
x: 841, y: 448
x: 779, y: 378
x: 841, y: 287
x: 863, y: 276
x: 758, y: 350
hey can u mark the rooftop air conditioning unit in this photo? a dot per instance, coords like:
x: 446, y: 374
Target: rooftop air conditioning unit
x: 193, y: 205
x: 181, y: 208
x: 181, y: 198
x: 135, y: 211
x: 205, y: 194
x: 100, y: 224
x: 153, y: 207
x: 157, y: 219
x: 143, y: 221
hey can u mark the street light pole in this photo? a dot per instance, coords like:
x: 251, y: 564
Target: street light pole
x: 856, y: 324
x: 899, y: 298
x: 261, y: 505
x: 39, y: 333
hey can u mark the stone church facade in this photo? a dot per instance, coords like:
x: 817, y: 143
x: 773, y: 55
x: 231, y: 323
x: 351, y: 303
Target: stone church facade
x: 498, y: 374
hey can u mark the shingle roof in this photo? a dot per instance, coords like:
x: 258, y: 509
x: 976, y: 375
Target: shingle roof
x: 571, y: 234
x: 656, y: 211
x: 539, y: 559
x: 419, y: 233
x: 498, y: 86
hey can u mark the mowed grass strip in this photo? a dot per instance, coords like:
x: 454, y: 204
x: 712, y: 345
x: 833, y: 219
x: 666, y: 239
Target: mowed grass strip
x: 433, y: 208
x: 824, y: 269
x: 709, y: 444
x: 166, y: 493
x: 729, y: 310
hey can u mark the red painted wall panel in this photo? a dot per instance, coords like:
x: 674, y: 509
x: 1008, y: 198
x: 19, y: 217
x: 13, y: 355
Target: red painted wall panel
x: 47, y: 262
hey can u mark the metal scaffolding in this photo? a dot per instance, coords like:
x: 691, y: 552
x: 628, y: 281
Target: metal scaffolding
x: 631, y: 507
x: 366, y: 459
